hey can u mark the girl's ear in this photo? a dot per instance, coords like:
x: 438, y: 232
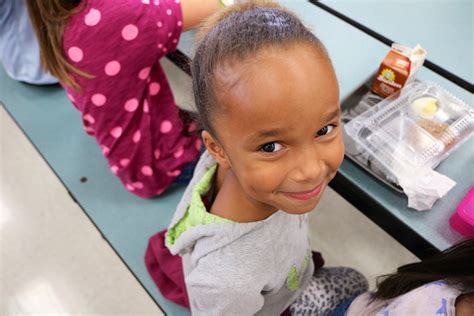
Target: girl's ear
x: 215, y: 150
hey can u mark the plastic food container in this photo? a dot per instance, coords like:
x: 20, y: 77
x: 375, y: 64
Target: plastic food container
x: 463, y: 219
x: 417, y: 127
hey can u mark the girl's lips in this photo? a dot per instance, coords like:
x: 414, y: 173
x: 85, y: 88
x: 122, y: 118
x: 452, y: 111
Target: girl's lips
x: 305, y: 195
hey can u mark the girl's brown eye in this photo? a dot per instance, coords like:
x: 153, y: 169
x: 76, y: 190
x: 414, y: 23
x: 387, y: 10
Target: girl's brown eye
x: 326, y: 130
x: 271, y: 147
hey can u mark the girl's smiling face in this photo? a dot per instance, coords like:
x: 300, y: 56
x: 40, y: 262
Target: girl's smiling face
x: 278, y: 127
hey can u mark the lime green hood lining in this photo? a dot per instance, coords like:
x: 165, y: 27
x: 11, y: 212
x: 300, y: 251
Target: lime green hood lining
x: 196, y: 214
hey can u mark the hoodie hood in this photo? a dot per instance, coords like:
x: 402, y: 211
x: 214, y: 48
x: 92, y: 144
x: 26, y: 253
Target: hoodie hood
x: 193, y: 222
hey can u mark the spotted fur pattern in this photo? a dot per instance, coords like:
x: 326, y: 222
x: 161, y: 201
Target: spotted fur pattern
x: 328, y: 288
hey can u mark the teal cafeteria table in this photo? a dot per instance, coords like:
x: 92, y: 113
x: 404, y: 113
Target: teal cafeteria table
x: 444, y: 28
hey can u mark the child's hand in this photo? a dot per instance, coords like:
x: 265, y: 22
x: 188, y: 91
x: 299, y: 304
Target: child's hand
x: 195, y: 11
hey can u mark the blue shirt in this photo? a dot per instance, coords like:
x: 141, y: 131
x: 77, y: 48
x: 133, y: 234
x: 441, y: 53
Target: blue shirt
x: 19, y: 51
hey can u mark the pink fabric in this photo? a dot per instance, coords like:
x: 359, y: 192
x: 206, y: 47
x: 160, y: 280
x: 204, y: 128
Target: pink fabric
x: 128, y: 105
x: 166, y: 270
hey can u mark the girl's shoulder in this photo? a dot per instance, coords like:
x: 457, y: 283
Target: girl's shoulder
x: 430, y: 299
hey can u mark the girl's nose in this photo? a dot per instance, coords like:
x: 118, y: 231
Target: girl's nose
x: 308, y: 167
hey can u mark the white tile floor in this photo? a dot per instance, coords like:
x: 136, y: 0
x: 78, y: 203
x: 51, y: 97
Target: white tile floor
x: 347, y: 238
x: 54, y: 261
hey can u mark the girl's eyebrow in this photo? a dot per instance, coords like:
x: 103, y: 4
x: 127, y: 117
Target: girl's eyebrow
x: 277, y: 131
x: 265, y: 134
x: 332, y: 115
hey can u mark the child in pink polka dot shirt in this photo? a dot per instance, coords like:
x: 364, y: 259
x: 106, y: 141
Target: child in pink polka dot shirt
x: 108, y: 63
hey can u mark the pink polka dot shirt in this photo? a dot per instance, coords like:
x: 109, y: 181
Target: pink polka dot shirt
x: 128, y: 105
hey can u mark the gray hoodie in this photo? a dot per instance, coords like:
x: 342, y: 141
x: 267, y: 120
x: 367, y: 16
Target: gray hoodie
x: 232, y: 268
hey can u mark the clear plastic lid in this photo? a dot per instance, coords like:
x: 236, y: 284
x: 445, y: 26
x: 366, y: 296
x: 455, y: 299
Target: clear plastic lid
x: 419, y: 126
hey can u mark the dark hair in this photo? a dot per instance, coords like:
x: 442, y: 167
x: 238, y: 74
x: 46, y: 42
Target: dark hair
x: 49, y: 17
x: 236, y: 33
x: 454, y: 266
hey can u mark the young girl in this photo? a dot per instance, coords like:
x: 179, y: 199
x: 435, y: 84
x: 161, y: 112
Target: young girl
x: 268, y: 102
x: 440, y: 285
x: 106, y: 54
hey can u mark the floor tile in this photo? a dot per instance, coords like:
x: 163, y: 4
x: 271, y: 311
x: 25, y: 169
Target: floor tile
x: 53, y: 260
